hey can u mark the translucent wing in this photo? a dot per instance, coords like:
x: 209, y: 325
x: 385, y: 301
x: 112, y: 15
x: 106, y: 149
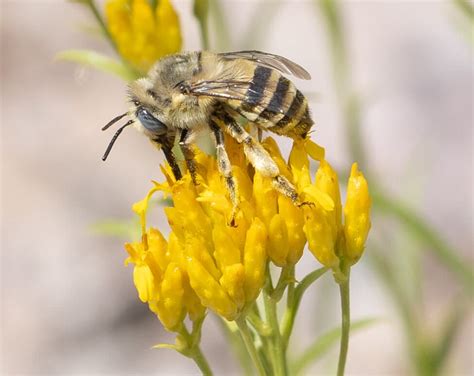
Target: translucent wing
x: 226, y: 89
x: 277, y: 62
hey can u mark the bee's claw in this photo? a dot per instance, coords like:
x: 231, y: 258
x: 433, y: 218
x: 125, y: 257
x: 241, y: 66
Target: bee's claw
x: 301, y: 204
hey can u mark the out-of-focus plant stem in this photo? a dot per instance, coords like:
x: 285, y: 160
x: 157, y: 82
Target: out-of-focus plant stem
x: 438, y: 246
x: 323, y: 344
x: 466, y: 7
x: 132, y: 72
x: 350, y: 106
x: 222, y: 41
x: 351, y: 110
x: 93, y: 8
x: 201, y: 11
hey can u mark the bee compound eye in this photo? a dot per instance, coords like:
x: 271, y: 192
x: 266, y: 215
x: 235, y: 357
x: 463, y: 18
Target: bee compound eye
x: 150, y: 122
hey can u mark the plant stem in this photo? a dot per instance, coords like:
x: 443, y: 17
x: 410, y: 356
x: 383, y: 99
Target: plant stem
x: 279, y: 353
x: 231, y: 331
x: 248, y: 340
x: 101, y: 23
x: 198, y: 357
x: 286, y: 275
x: 346, y: 323
x: 193, y: 350
x: 294, y: 301
x: 201, y: 11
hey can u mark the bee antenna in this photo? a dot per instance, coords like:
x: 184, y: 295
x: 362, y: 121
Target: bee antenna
x: 112, y: 141
x: 113, y: 121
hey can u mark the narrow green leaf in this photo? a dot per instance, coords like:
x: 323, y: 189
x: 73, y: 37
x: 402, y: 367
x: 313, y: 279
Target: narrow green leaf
x: 442, y: 349
x: 98, y: 61
x: 412, y: 220
x: 166, y: 346
x: 117, y: 228
x: 324, y: 343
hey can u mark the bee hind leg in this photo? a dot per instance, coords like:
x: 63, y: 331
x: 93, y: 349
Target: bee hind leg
x: 188, y: 153
x: 225, y: 168
x: 262, y: 161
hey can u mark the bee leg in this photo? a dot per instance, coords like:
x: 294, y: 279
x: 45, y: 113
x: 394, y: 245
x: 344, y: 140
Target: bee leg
x: 166, y: 144
x: 262, y: 161
x: 172, y: 162
x: 188, y: 153
x: 225, y: 168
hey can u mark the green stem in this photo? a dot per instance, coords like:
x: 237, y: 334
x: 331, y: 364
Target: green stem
x: 198, y: 357
x: 201, y: 11
x: 288, y: 320
x: 349, y: 102
x: 279, y: 353
x: 193, y: 350
x: 346, y: 324
x: 286, y: 276
x: 231, y: 331
x: 248, y: 340
x: 101, y: 23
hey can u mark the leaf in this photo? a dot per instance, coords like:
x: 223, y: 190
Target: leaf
x: 324, y: 343
x: 166, y: 346
x: 98, y: 61
x: 116, y: 228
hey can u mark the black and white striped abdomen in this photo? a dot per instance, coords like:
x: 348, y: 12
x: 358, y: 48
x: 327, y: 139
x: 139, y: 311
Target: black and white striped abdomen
x: 274, y: 103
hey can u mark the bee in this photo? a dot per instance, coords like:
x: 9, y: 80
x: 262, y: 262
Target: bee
x: 188, y: 92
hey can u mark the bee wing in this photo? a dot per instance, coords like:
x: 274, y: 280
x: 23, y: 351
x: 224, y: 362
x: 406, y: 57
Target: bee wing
x: 277, y: 62
x: 225, y: 89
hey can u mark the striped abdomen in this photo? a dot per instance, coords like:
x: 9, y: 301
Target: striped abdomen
x: 274, y: 103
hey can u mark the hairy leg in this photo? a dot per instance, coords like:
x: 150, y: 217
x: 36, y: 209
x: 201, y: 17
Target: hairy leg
x: 225, y: 168
x: 188, y: 152
x: 166, y: 144
x: 259, y: 157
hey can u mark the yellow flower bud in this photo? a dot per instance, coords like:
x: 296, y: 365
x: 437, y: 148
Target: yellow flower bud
x: 319, y: 234
x: 326, y: 181
x: 265, y: 198
x: 278, y: 245
x: 255, y: 259
x: 356, y: 215
x: 299, y: 164
x: 294, y: 221
x: 169, y: 306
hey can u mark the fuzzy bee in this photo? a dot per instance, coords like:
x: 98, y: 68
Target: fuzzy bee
x: 187, y: 92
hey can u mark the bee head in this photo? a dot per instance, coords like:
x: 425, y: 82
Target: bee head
x: 149, y: 107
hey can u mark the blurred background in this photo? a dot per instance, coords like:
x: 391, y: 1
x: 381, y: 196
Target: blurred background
x: 392, y: 88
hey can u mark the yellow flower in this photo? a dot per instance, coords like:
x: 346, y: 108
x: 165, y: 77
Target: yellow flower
x: 143, y: 34
x: 356, y: 215
x: 209, y: 263
x: 159, y: 275
x: 328, y: 239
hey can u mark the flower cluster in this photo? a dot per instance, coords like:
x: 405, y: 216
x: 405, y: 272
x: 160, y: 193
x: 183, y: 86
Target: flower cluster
x: 143, y: 33
x: 207, y: 263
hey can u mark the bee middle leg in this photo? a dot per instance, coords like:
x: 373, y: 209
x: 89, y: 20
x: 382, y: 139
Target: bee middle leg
x: 188, y: 153
x: 225, y: 168
x: 261, y: 160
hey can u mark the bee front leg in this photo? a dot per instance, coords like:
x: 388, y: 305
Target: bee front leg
x: 261, y: 160
x: 188, y: 153
x: 225, y: 168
